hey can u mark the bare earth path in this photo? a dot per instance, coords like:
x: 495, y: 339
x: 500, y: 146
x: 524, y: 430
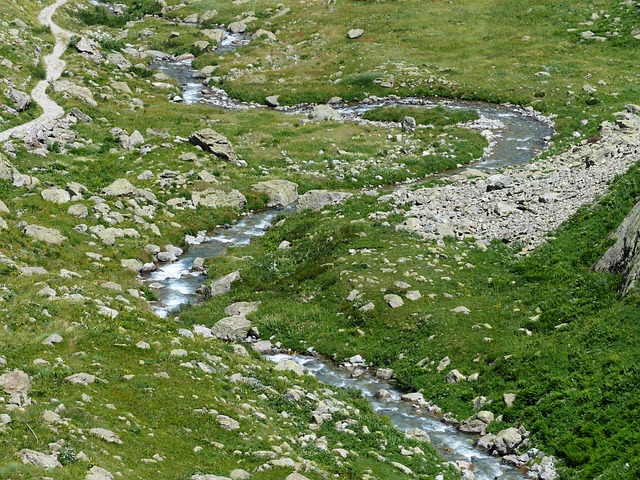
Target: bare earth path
x: 54, y: 66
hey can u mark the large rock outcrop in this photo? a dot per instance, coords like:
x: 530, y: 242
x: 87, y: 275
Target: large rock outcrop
x: 623, y: 257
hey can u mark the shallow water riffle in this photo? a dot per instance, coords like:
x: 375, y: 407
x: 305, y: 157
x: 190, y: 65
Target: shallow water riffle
x: 175, y: 283
x: 450, y: 443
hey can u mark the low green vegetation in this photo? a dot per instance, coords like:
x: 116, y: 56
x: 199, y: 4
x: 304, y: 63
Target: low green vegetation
x: 436, y: 116
x: 136, y: 9
x: 544, y: 326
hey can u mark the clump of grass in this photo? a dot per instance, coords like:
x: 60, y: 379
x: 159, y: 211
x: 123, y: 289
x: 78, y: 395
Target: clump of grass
x: 436, y: 116
x: 38, y: 71
x: 109, y: 43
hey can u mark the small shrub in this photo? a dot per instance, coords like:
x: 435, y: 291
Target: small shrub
x: 38, y: 71
x: 112, y: 44
x: 73, y: 41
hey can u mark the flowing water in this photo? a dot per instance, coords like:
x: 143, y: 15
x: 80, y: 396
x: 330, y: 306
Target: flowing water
x: 450, y: 443
x: 517, y: 136
x: 178, y: 281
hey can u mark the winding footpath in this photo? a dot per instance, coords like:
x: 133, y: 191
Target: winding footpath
x: 54, y: 66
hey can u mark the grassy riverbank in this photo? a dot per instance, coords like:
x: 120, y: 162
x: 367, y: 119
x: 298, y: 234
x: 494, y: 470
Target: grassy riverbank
x: 497, y: 51
x: 543, y: 327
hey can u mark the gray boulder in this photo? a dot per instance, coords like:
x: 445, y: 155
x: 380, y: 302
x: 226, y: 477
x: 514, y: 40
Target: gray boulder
x: 44, y: 234
x: 266, y: 34
x: 355, y: 33
x: 7, y: 170
x: 74, y: 90
x: 237, y: 27
x: 98, y: 473
x: 21, y: 100
x: 78, y: 210
x: 106, y: 435
x: 281, y: 192
x: 38, y: 459
x: 88, y: 46
x: 231, y: 328
x: 15, y: 382
x: 325, y: 112
x: 129, y: 142
x: 317, y: 199
x: 507, y: 440
x: 498, y: 182
x: 218, y: 145
x: 219, y: 199
x: 408, y: 124
x: 289, y: 366
x: 417, y: 434
x: 222, y: 285
x: 56, y: 195
x: 272, y: 101
x: 242, y: 308
x: 119, y: 61
x: 454, y: 376
x: 119, y: 188
x: 393, y: 300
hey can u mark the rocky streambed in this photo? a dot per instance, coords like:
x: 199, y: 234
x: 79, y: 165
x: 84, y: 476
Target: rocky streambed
x: 524, y: 202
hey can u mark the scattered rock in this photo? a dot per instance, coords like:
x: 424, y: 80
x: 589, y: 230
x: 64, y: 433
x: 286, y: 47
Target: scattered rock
x: 325, y: 112
x: 219, y: 199
x: 15, y: 382
x: 56, y: 195
x: 417, y: 434
x: 98, y: 473
x: 70, y: 88
x: 237, y: 27
x: 355, y: 33
x: 394, y: 301
x: 227, y: 423
x: 290, y: 366
x: 51, y: 339
x: 21, y: 100
x: 623, y: 256
x: 498, y: 182
x: 119, y: 188
x: 81, y: 378
x: 272, y: 101
x: 454, y: 376
x: 242, y: 308
x: 218, y: 145
x: 509, y: 399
